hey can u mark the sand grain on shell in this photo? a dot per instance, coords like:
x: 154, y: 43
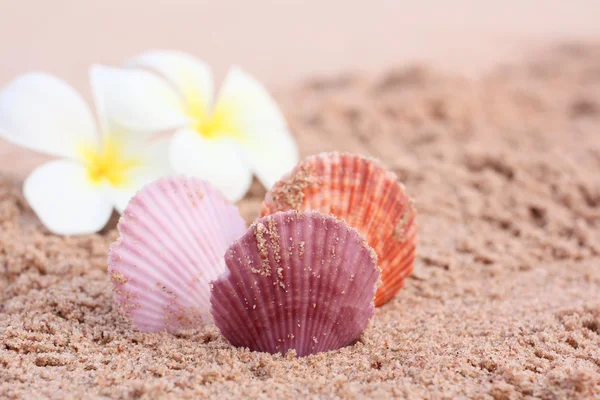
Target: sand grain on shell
x: 118, y: 277
x: 288, y: 194
x: 504, y: 302
x: 261, y: 243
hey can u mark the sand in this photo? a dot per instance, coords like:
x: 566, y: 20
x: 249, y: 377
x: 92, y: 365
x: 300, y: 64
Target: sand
x: 504, y: 301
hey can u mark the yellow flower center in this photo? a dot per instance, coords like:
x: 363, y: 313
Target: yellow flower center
x: 214, y: 125
x: 108, y: 163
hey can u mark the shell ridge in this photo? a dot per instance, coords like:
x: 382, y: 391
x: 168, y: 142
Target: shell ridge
x: 167, y: 224
x: 210, y: 263
x: 232, y: 296
x: 381, y: 193
x: 358, y: 262
x: 132, y: 256
x: 183, y: 266
x: 297, y: 253
x: 232, y: 292
x: 289, y: 281
x: 354, y: 195
x: 347, y: 179
x: 406, y: 266
x: 245, y: 249
x: 143, y: 277
x: 136, y: 233
x: 377, y: 232
x: 316, y: 283
x: 366, y: 291
x: 408, y: 245
x: 322, y: 193
x: 353, y: 263
x: 305, y: 253
x: 261, y: 336
x: 232, y: 217
x: 325, y: 320
x: 403, y: 261
x: 277, y: 292
x: 191, y: 214
x: 219, y: 308
x: 335, y: 170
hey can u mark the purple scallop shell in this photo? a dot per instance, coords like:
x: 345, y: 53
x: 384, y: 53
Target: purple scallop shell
x: 173, y: 236
x: 297, y: 280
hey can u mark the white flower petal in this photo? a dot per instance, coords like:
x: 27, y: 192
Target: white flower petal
x: 42, y: 113
x: 136, y: 99
x: 65, y: 200
x: 259, y: 124
x: 271, y: 153
x: 154, y: 159
x: 192, y: 77
x: 219, y: 161
x: 247, y: 100
x: 156, y: 151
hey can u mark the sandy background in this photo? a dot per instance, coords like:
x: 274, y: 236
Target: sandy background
x: 501, y: 155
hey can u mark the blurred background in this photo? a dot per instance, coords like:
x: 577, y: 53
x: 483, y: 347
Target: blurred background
x: 278, y: 41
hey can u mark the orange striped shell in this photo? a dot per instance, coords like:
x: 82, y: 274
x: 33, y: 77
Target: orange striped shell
x: 367, y: 196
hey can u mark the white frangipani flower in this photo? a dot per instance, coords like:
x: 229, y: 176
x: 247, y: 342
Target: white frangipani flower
x: 100, y: 168
x: 224, y: 140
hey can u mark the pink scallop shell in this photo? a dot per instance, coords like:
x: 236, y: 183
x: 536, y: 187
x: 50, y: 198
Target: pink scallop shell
x: 173, y: 236
x: 297, y: 280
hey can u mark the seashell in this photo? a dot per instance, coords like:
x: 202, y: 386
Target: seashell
x: 173, y: 236
x: 296, y: 280
x: 367, y: 196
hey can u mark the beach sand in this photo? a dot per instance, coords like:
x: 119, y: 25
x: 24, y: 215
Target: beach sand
x: 504, y: 302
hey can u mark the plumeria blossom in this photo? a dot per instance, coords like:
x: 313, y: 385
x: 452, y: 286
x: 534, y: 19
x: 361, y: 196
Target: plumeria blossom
x: 100, y: 166
x: 224, y: 140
